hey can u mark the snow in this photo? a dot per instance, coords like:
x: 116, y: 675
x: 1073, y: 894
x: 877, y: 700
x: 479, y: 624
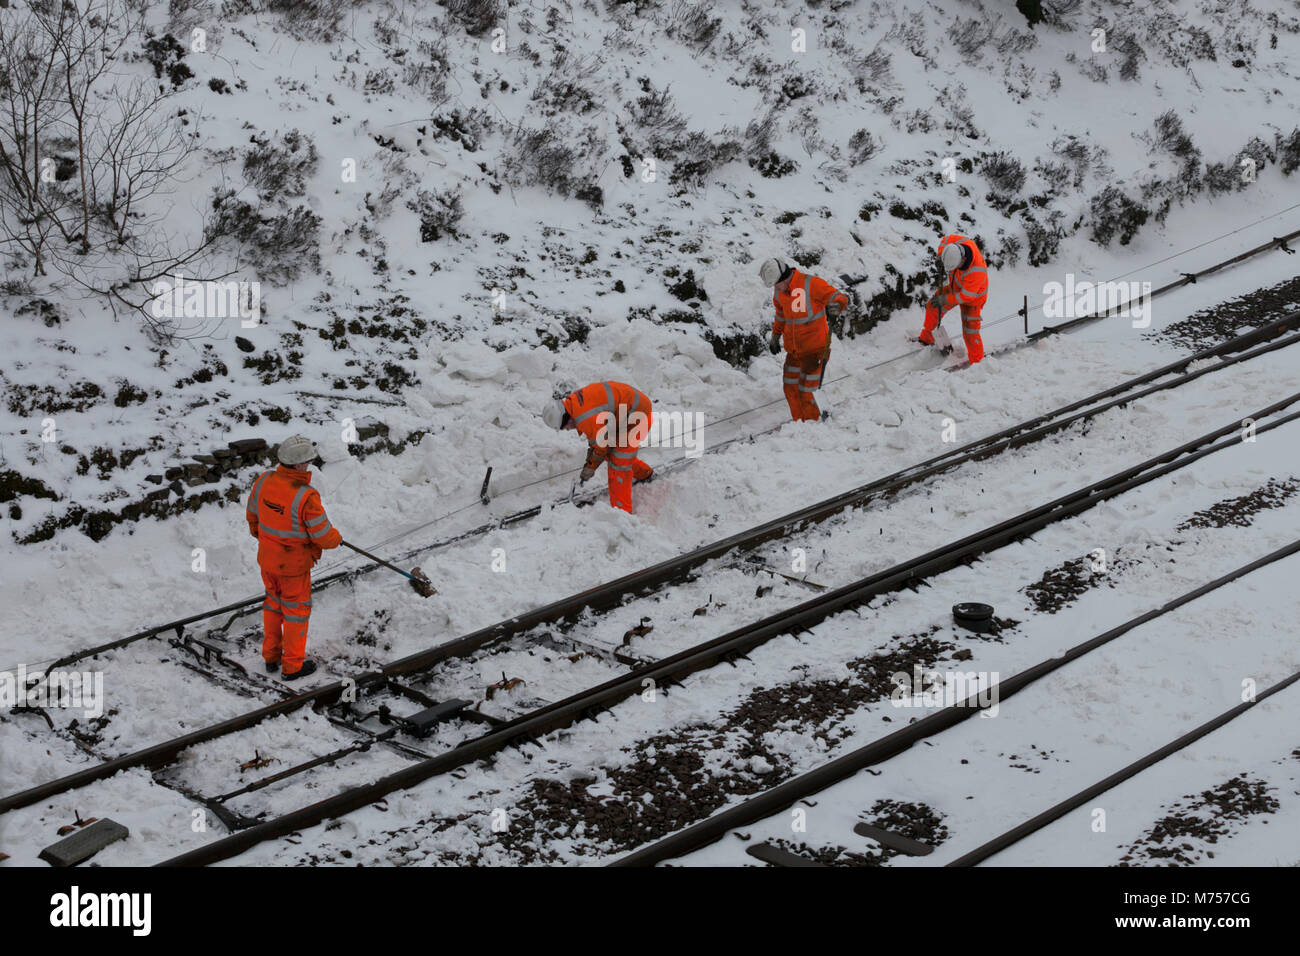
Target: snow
x: 482, y: 377
x: 1097, y: 715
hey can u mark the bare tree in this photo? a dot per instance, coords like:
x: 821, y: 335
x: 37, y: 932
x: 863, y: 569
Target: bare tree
x: 89, y: 39
x: 137, y: 154
x: 33, y: 115
x: 67, y: 89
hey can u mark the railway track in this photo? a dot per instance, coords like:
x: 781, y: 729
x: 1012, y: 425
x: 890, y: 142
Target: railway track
x: 668, y: 572
x: 504, y: 732
x: 766, y: 806
x: 733, y: 644
x: 1016, y: 436
x: 1256, y: 342
x: 1036, y: 823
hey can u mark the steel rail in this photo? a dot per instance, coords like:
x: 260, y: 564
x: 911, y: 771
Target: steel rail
x: 1034, y: 824
x: 1188, y: 278
x: 784, y: 795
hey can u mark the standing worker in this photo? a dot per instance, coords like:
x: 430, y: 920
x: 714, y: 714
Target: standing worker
x: 802, y: 304
x: 615, y: 419
x: 967, y: 285
x: 287, y: 519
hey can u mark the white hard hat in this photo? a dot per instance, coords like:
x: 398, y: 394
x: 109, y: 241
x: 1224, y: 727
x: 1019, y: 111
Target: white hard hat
x: 771, y: 271
x: 952, y: 256
x: 553, y: 414
x: 296, y: 450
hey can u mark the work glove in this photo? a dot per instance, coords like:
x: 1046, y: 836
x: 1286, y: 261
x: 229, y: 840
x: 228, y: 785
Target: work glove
x: 834, y: 311
x: 594, y: 458
x: 774, y: 346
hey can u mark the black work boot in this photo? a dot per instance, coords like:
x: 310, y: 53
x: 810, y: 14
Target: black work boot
x: 272, y: 666
x: 308, y: 667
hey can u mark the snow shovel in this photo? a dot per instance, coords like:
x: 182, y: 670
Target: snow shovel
x: 419, y: 580
x: 942, y: 341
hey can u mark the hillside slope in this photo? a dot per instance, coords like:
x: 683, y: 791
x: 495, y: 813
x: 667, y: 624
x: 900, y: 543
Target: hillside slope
x: 451, y: 208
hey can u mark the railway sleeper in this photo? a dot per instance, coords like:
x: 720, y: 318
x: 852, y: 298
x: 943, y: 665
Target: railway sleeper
x: 895, y: 841
x: 775, y: 856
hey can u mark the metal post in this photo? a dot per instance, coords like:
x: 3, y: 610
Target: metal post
x: 1025, y: 313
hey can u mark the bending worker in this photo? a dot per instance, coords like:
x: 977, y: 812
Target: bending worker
x: 286, y: 517
x: 967, y: 286
x: 615, y: 419
x: 802, y: 304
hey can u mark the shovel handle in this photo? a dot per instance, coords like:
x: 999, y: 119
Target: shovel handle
x: 379, y: 560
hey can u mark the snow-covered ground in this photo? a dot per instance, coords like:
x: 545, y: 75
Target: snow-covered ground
x: 1089, y: 719
x: 457, y: 373
x: 1092, y: 718
x: 1131, y: 528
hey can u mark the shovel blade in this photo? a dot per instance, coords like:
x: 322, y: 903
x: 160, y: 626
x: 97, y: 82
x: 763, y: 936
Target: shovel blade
x: 941, y: 340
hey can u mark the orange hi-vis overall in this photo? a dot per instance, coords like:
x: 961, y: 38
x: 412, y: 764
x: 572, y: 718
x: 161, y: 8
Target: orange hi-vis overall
x: 967, y: 288
x: 287, y: 519
x: 615, y: 419
x: 801, y: 323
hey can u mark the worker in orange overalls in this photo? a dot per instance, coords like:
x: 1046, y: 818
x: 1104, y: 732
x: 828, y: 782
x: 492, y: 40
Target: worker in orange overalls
x: 802, y: 304
x: 287, y: 519
x: 967, y: 286
x: 615, y: 420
